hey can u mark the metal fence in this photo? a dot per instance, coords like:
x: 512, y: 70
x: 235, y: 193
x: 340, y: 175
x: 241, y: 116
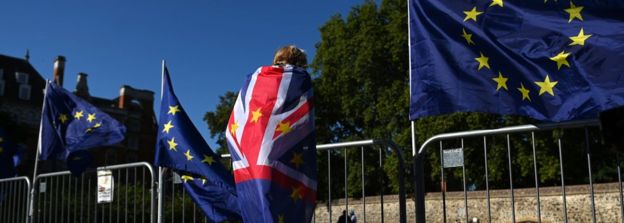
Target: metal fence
x: 365, y: 146
x: 524, y: 136
x: 61, y: 197
x: 14, y: 199
x: 177, y: 206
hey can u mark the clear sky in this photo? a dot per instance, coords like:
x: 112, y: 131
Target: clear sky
x: 209, y: 45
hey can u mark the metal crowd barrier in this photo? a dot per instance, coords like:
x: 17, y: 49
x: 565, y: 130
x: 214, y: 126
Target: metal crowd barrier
x: 177, y: 205
x: 527, y: 134
x: 14, y: 199
x: 61, y: 197
x: 364, y: 145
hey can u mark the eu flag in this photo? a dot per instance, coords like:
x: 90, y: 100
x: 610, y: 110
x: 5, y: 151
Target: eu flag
x: 70, y: 126
x: 549, y: 60
x: 8, y: 153
x: 182, y: 148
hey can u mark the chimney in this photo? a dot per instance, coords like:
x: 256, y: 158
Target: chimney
x: 27, y: 57
x: 122, y: 97
x: 59, y: 70
x: 82, y: 89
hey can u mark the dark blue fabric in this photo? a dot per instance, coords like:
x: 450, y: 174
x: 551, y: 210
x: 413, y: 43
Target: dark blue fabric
x: 8, y: 154
x: 519, y: 39
x: 212, y: 187
x: 62, y: 137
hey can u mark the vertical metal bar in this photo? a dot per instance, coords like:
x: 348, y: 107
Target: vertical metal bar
x: 172, y: 197
x: 62, y: 196
x: 89, y: 202
x: 382, y: 185
x: 536, y: 174
x: 513, y: 201
x: 563, y: 190
x: 81, y: 199
x: 10, y: 200
x: 363, y: 187
x: 56, y: 198
x: 118, y: 195
x: 126, y: 199
x: 329, y: 206
x: 136, y: 184
x: 2, y: 204
x: 19, y: 202
x: 589, y: 170
x: 346, y: 184
x: 619, y: 172
x: 160, y: 197
x: 487, y: 179
x: 75, y: 212
x: 442, y: 183
x: 183, y: 204
x: 464, y: 180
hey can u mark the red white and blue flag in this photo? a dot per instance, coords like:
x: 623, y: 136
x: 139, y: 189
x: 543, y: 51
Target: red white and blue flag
x: 272, y: 141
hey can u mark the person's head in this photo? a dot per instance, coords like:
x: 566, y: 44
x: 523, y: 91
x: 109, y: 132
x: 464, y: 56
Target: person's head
x: 290, y: 55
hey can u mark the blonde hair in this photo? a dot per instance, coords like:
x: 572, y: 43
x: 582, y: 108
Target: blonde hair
x: 290, y: 55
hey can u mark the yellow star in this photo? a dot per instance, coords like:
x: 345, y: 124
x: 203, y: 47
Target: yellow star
x: 167, y: 127
x: 579, y: 39
x: 256, y: 115
x: 172, y: 144
x: 97, y: 125
x: 91, y: 117
x: 575, y: 12
x: 525, y: 92
x: 472, y: 14
x: 63, y: 118
x: 173, y: 110
x: 89, y: 130
x: 284, y: 127
x: 296, y: 194
x: 500, y: 81
x: 78, y: 115
x: 233, y: 128
x: 280, y: 218
x: 483, y: 61
x: 496, y: 2
x: 187, y: 178
x: 468, y: 37
x: 561, y: 59
x: 188, y: 155
x: 297, y: 159
x: 208, y: 159
x: 546, y: 86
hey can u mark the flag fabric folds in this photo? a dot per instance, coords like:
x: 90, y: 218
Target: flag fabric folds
x: 272, y: 143
x: 549, y: 60
x: 181, y: 147
x: 70, y: 126
x: 8, y: 155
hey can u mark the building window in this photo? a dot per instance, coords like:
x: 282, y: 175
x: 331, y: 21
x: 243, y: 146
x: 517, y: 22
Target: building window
x: 21, y: 78
x: 24, y: 92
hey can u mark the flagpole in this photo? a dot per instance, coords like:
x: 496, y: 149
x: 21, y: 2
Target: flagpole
x: 160, y: 169
x: 32, y: 190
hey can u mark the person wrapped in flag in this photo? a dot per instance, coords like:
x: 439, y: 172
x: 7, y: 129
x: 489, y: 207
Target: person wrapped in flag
x: 271, y: 137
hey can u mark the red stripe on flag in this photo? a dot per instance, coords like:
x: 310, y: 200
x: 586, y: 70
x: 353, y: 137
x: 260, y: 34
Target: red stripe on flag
x: 295, y: 116
x: 270, y: 174
x: 264, y: 96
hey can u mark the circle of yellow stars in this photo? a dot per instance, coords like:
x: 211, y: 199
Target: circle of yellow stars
x: 560, y: 59
x: 172, y: 144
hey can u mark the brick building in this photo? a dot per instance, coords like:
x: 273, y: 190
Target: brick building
x: 21, y: 98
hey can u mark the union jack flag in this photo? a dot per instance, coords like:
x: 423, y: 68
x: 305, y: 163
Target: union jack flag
x: 272, y: 141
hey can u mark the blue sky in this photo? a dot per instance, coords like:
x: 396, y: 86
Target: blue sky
x: 209, y: 45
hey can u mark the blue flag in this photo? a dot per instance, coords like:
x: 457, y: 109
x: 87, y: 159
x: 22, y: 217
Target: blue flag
x: 182, y: 148
x: 549, y: 60
x: 8, y: 154
x: 70, y: 126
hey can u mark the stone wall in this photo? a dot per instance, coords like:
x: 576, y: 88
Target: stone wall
x: 578, y: 201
